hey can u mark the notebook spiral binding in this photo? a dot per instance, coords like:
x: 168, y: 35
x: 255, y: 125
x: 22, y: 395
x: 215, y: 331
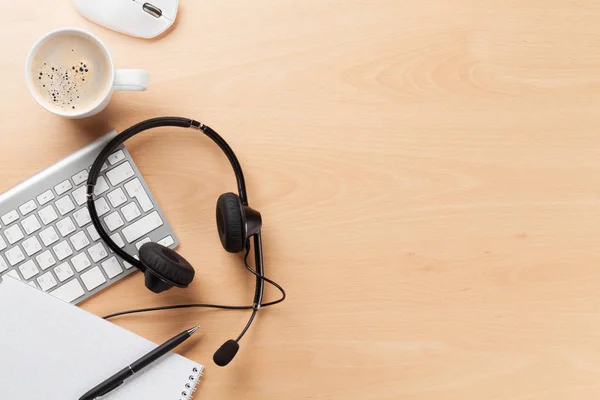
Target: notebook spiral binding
x: 190, y: 386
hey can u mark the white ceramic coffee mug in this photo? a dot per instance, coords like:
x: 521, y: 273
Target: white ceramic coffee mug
x: 62, y: 96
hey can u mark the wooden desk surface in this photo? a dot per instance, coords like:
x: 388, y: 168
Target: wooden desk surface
x: 428, y: 173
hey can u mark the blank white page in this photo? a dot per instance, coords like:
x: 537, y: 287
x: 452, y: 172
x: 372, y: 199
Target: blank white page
x: 50, y: 349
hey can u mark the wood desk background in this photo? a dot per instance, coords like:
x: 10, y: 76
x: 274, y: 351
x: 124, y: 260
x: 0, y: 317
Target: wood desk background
x: 428, y: 173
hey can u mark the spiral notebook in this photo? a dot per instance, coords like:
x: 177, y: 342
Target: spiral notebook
x: 56, y: 351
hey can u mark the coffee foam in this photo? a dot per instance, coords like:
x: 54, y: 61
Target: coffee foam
x: 70, y: 72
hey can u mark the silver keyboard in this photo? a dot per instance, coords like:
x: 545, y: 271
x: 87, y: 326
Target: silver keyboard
x: 46, y: 235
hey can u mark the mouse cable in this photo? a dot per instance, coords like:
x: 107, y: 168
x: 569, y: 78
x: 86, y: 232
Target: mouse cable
x: 218, y: 306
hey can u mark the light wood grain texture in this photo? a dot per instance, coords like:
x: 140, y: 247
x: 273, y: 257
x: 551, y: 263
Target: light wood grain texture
x: 428, y: 173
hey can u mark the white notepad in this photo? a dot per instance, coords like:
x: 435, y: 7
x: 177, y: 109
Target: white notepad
x: 56, y: 351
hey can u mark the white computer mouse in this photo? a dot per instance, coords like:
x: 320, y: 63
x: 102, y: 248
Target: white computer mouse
x: 139, y: 18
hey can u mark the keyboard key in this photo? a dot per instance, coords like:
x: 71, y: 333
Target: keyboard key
x: 27, y: 207
x: 112, y: 267
x: 129, y: 266
x: 82, y: 217
x: 10, y: 217
x: 64, y: 205
x: 101, y: 206
x: 63, y: 187
x: 80, y: 195
x: 66, y: 226
x: 97, y: 252
x: 14, y: 255
x: 29, y: 270
x: 104, y: 166
x: 117, y: 197
x: 142, y: 242
x: 2, y: 243
x: 13, y: 234
x: 81, y: 262
x: 13, y: 273
x: 93, y: 278
x: 69, y: 292
x: 93, y: 233
x: 166, y: 241
x: 64, y: 271
x: 120, y: 173
x: 79, y: 240
x: 31, y: 224
x: 142, y: 227
x: 116, y: 157
x: 114, y: 221
x: 32, y: 246
x: 80, y: 177
x: 49, y: 236
x: 62, y: 250
x: 137, y: 191
x: 131, y: 211
x: 47, y: 281
x: 3, y: 265
x: 118, y: 240
x: 48, y: 215
x: 45, y: 197
x: 45, y: 260
x: 101, y: 186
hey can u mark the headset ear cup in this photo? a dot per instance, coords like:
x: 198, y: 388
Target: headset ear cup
x: 166, y: 263
x: 231, y: 222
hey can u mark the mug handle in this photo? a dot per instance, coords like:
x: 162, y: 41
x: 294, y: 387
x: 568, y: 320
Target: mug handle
x: 135, y: 80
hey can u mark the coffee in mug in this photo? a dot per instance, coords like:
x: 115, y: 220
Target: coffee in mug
x: 71, y: 73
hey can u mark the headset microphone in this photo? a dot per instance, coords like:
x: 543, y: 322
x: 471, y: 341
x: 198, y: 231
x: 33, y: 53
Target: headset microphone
x: 225, y: 354
x: 229, y: 349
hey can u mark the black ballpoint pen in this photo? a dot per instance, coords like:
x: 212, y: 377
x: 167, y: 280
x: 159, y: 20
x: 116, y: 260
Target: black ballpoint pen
x: 119, y: 378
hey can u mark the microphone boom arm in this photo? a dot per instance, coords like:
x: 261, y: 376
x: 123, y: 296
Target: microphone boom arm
x: 229, y: 349
x: 260, y: 282
x: 260, y: 270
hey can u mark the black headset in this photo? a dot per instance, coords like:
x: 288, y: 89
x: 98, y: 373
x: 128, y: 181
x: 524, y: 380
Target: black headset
x: 164, y: 268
